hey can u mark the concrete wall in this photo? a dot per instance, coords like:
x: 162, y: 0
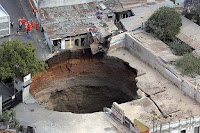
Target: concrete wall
x: 117, y: 42
x: 55, y: 3
x: 156, y: 62
x: 188, y: 124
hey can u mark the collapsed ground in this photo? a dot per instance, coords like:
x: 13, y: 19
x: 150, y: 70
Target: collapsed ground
x: 84, y: 83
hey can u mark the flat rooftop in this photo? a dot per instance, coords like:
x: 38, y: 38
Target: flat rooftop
x: 142, y: 14
x: 190, y: 33
x: 174, y: 104
x: 154, y: 45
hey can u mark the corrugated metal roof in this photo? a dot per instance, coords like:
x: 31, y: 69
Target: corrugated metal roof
x: 70, y: 20
x: 60, y: 22
x: 3, y: 13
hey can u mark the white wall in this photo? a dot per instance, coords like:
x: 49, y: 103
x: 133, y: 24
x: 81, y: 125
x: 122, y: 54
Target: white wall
x: 175, y: 127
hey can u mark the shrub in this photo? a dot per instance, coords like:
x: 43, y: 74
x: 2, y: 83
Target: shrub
x: 189, y: 65
x: 179, y: 48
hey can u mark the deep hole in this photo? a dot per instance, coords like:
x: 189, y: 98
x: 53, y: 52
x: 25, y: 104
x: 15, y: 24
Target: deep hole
x: 84, y: 83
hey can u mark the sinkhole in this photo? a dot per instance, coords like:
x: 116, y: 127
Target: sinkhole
x: 80, y: 82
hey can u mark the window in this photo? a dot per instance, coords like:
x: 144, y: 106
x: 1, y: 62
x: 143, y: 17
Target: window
x: 197, y: 129
x: 183, y: 131
x: 77, y: 42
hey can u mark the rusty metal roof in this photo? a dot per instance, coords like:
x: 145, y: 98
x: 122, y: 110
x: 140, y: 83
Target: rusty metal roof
x: 71, y: 20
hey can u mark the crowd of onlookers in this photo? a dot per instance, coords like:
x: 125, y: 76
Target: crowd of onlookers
x: 27, y: 25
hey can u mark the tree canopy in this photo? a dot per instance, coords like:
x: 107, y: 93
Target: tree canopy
x: 18, y: 59
x: 164, y: 23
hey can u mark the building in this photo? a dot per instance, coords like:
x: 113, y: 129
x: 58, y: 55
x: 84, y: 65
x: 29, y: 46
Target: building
x: 52, y: 3
x: 189, y: 33
x: 86, y: 24
x: 141, y: 15
x: 4, y: 22
x: 168, y: 105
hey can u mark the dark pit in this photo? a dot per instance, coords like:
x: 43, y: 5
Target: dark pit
x: 84, y: 83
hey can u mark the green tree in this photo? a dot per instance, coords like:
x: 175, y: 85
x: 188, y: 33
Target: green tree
x: 18, y: 59
x: 164, y: 23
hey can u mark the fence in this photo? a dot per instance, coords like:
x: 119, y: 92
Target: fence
x: 189, y: 125
x: 12, y: 101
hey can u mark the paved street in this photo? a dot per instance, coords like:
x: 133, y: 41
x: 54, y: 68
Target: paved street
x: 47, y: 121
x: 20, y: 8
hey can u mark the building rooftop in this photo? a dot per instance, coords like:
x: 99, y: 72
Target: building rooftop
x: 190, y: 33
x: 60, y: 22
x: 142, y: 14
x: 71, y: 20
x: 156, y: 46
x: 164, y: 102
x: 3, y: 13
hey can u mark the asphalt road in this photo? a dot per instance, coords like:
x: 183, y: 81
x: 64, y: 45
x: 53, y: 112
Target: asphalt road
x: 20, y: 8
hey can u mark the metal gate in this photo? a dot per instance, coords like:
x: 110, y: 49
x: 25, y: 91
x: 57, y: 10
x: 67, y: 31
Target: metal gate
x: 12, y: 101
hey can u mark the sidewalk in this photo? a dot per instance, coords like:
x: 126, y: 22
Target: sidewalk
x: 47, y: 121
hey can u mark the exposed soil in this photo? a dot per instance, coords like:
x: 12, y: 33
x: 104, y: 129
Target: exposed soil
x: 85, y: 84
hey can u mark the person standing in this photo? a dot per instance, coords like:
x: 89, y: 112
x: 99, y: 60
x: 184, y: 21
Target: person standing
x: 23, y: 21
x: 12, y: 24
x: 32, y: 24
x: 29, y: 26
x: 29, y: 34
x: 20, y: 26
x: 26, y: 27
x: 18, y: 32
x: 20, y: 22
x: 36, y: 26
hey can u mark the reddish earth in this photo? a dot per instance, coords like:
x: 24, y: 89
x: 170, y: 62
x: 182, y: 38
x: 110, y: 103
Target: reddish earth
x: 85, y: 85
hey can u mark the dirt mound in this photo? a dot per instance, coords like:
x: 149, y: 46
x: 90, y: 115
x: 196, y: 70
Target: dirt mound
x: 85, y: 84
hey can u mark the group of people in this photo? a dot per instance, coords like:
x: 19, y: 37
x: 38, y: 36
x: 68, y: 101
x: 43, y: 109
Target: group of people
x: 27, y: 26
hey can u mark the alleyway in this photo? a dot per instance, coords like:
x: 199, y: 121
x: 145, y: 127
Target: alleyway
x: 20, y: 8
